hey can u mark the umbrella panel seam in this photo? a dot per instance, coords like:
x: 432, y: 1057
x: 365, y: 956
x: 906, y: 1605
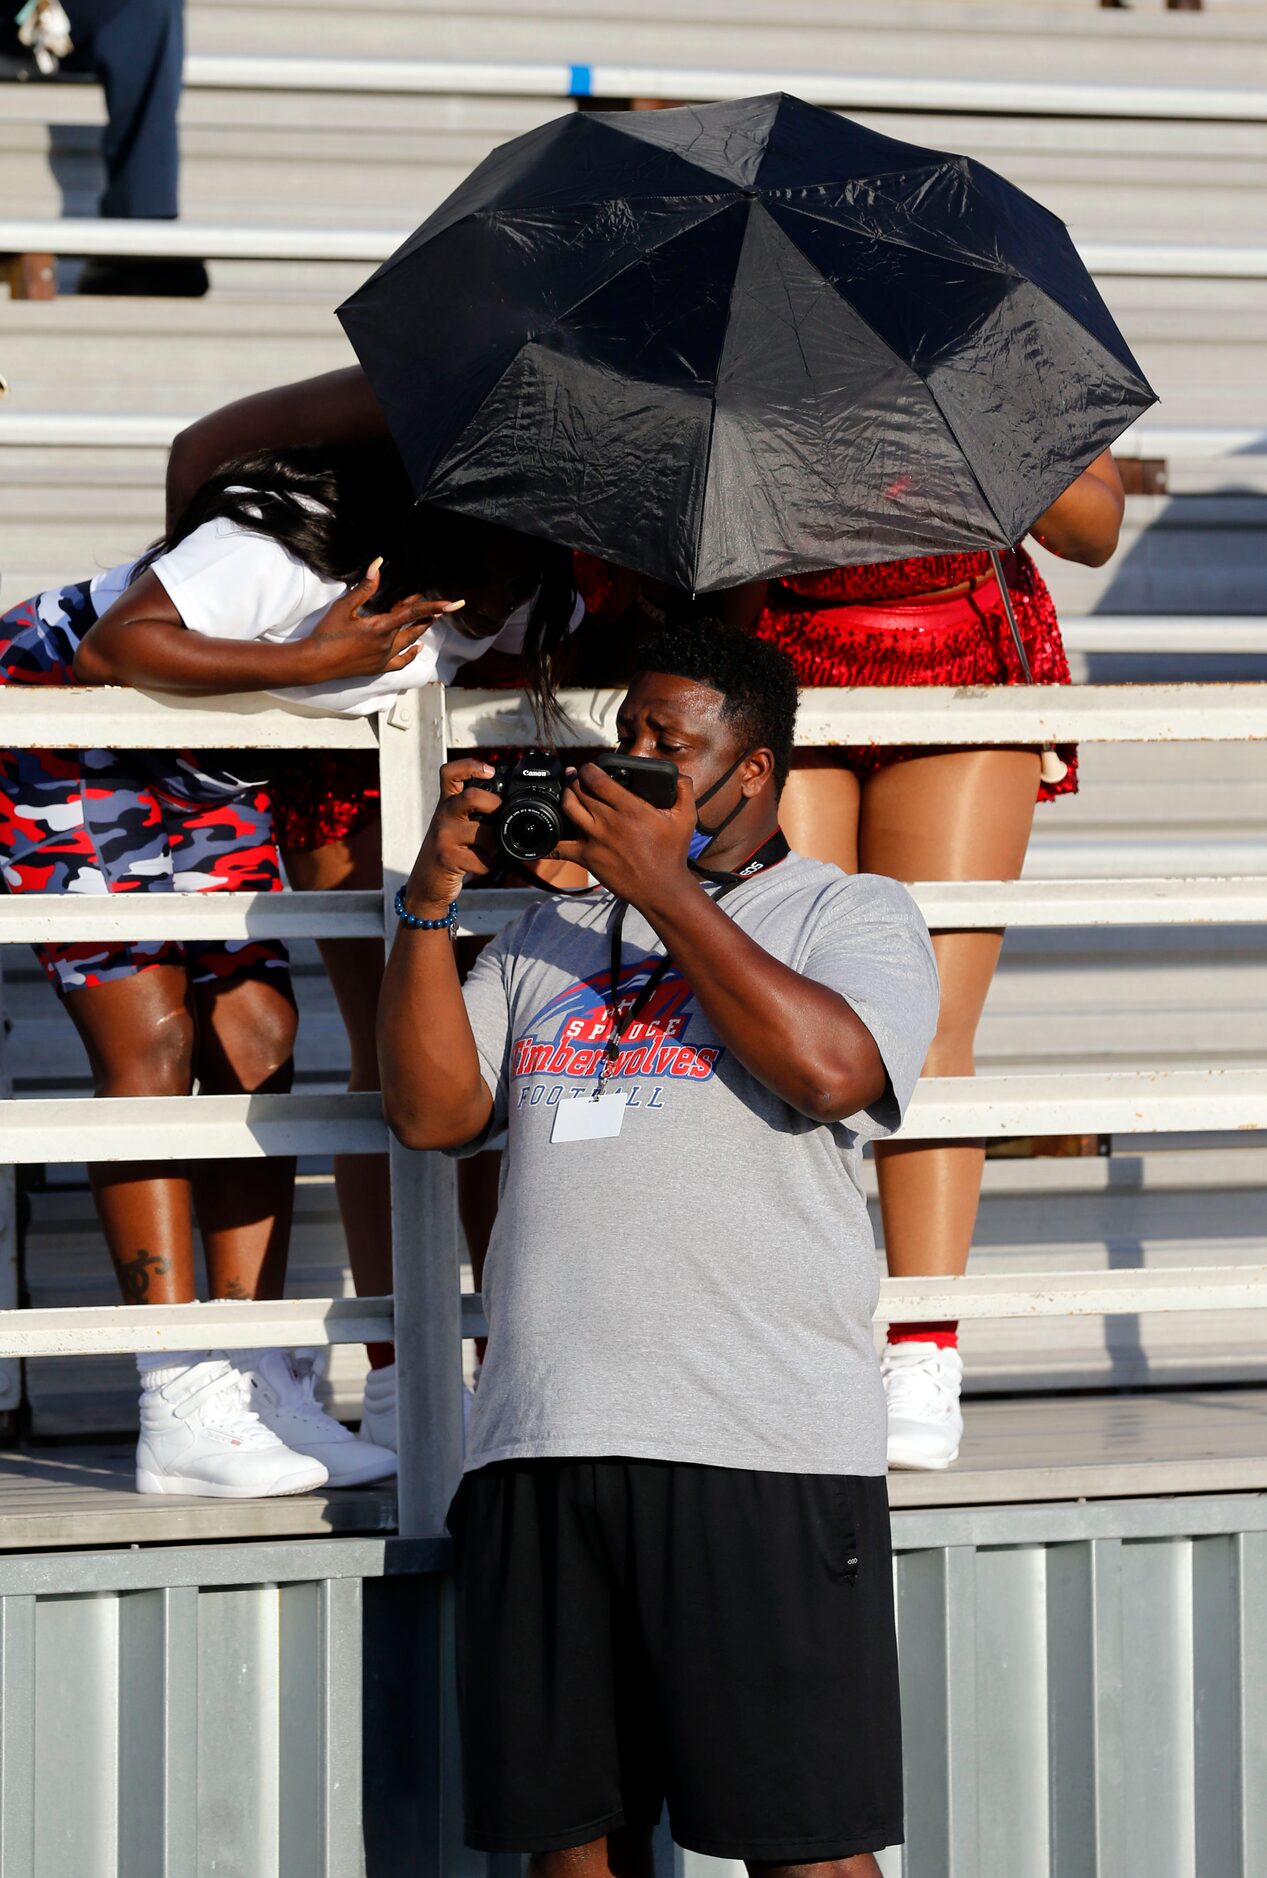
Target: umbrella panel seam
x: 561, y: 313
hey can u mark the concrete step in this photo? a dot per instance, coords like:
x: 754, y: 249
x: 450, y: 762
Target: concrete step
x: 160, y: 355
x: 1162, y: 1209
x: 930, y: 37
x: 1131, y: 180
x: 1202, y: 343
x: 1175, y: 555
x: 329, y: 158
x: 1186, y: 790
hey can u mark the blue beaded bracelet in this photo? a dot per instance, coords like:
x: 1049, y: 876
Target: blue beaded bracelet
x: 449, y: 921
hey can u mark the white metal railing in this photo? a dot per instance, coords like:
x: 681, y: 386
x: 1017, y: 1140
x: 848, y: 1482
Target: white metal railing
x: 290, y: 1322
x: 428, y: 1316
x: 937, y: 714
x: 240, y: 241
x: 132, y: 429
x: 855, y: 91
x: 555, y: 78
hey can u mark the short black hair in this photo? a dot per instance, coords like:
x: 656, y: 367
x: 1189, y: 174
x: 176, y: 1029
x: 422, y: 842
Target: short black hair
x: 755, y: 678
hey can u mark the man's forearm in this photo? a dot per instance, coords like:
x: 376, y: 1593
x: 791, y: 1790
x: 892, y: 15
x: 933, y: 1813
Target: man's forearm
x: 434, y: 1095
x: 797, y: 1037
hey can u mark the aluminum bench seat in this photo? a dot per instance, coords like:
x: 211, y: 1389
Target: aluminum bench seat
x: 1033, y: 1450
x: 84, y: 1496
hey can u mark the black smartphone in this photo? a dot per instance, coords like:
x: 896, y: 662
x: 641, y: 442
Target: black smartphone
x: 653, y: 778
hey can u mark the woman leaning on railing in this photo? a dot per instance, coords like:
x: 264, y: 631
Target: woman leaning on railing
x: 252, y: 589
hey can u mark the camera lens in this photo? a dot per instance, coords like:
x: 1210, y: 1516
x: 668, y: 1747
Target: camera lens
x: 530, y: 828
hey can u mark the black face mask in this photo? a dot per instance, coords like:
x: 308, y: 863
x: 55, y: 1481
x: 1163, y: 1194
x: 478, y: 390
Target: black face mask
x: 703, y: 838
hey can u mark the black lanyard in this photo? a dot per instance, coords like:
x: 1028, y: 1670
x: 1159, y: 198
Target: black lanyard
x: 769, y: 854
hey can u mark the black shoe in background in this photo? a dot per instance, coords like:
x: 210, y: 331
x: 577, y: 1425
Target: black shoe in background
x: 172, y: 277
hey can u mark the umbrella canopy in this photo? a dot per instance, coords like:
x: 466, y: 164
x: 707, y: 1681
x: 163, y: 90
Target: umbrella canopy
x: 744, y: 339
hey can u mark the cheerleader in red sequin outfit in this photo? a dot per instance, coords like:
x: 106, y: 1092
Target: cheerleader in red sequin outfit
x: 915, y: 814
x: 933, y: 814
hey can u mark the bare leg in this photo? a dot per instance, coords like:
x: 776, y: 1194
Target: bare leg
x: 820, y: 807
x: 139, y: 1035
x: 862, y: 1865
x: 246, y: 1039
x: 623, y: 1854
x: 965, y: 815
x: 355, y: 970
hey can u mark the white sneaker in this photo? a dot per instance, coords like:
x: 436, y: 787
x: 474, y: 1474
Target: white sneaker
x: 378, y: 1411
x: 921, y: 1387
x: 284, y: 1396
x: 199, y: 1435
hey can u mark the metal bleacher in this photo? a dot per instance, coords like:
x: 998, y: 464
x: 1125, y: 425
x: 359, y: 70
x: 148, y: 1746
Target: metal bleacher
x: 97, y: 387
x: 1081, y: 1604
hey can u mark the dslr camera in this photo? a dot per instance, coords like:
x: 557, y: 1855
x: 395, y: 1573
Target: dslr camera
x: 531, y: 821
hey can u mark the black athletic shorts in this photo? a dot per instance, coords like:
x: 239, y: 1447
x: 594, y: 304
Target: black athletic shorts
x: 635, y: 1631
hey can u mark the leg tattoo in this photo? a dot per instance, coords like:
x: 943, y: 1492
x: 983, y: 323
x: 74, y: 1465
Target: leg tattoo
x: 135, y: 1274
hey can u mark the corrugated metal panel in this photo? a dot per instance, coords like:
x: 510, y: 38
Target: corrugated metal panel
x: 185, y: 1730
x: 1089, y: 1707
x: 1083, y: 1692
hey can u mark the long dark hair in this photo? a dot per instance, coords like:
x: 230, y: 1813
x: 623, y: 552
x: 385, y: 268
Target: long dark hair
x: 335, y: 507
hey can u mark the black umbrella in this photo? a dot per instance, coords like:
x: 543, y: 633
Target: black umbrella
x: 742, y: 339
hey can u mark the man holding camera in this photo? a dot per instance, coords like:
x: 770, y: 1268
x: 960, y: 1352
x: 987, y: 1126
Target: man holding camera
x: 674, y: 1575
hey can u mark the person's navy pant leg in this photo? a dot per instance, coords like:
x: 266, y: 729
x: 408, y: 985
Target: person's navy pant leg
x: 137, y: 50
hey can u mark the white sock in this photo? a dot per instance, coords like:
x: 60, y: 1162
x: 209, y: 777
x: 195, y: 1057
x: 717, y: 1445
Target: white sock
x: 157, y: 1371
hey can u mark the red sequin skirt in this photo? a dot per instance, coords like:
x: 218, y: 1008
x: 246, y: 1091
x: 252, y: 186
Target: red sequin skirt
x: 321, y: 796
x: 965, y: 640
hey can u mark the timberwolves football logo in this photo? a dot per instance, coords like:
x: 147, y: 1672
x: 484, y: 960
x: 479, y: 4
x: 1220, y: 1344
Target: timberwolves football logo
x: 567, y: 1035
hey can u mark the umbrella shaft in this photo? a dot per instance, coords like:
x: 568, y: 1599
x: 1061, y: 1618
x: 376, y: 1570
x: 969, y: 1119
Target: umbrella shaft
x: 1017, y: 641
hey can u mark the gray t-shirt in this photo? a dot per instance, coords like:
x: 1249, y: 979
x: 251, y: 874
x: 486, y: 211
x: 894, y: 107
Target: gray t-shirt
x: 699, y: 1288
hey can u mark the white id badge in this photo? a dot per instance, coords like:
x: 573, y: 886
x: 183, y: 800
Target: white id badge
x: 588, y: 1118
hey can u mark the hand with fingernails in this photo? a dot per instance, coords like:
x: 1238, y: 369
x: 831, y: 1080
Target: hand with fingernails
x: 349, y: 642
